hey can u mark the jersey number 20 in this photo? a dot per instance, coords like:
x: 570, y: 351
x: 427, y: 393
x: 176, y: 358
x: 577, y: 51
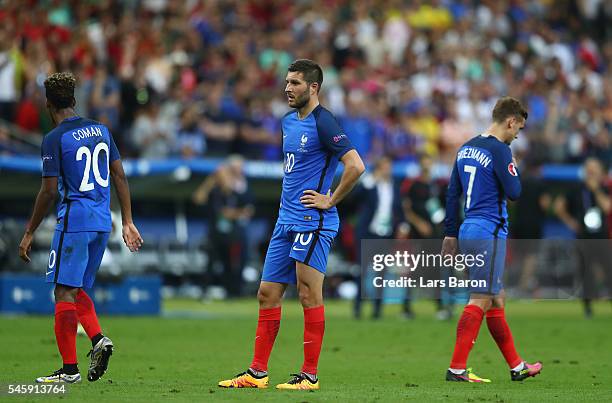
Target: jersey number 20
x: 84, y: 151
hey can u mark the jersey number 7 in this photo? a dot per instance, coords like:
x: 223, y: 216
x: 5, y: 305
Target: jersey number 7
x: 472, y: 171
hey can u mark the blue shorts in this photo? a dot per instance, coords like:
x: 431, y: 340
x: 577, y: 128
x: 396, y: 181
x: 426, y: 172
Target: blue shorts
x: 289, y: 244
x: 75, y: 258
x: 489, y: 241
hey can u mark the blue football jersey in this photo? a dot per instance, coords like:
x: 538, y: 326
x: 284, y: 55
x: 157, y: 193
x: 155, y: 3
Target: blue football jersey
x: 79, y: 151
x: 485, y: 174
x: 312, y: 148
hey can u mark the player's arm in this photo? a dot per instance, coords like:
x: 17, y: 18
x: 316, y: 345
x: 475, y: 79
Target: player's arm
x: 507, y: 172
x: 50, y: 155
x: 333, y: 138
x: 131, y: 236
x: 45, y: 198
x: 451, y: 221
x: 353, y: 169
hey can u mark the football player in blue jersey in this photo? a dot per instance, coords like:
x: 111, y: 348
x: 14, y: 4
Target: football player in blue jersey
x: 79, y: 157
x: 313, y: 145
x: 486, y: 173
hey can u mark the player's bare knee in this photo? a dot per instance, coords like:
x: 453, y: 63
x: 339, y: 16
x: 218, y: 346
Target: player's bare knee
x: 483, y: 303
x: 268, y: 298
x: 63, y: 293
x: 304, y: 295
x: 309, y: 297
x: 310, y: 301
x: 498, y: 302
x: 262, y: 296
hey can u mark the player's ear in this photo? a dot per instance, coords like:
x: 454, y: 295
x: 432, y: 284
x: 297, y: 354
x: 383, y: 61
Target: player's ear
x: 73, y: 103
x: 315, y: 88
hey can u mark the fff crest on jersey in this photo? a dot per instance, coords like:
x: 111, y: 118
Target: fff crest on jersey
x: 303, y: 142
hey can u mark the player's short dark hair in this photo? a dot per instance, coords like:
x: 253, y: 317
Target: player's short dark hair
x: 311, y: 71
x: 507, y: 107
x: 59, y: 89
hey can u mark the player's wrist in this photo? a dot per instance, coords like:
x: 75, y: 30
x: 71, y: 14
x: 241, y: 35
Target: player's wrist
x: 28, y: 229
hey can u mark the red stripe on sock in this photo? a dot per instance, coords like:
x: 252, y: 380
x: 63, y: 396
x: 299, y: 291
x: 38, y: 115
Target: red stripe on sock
x: 467, y: 333
x: 66, y: 322
x: 314, y: 328
x: 500, y: 331
x: 267, y: 329
x: 87, y: 314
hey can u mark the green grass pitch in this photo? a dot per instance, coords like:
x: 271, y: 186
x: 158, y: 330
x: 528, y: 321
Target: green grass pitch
x: 182, y: 355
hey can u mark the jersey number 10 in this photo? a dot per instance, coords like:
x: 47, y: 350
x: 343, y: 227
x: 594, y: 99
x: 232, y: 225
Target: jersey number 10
x: 86, y: 186
x: 290, y: 163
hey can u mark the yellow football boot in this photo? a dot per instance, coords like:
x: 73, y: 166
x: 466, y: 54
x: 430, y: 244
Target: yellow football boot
x: 245, y: 380
x: 465, y: 376
x: 299, y: 382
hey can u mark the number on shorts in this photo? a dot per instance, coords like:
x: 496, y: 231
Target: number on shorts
x: 304, y: 242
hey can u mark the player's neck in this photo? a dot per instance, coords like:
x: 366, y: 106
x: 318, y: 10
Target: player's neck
x: 62, y: 114
x: 497, y: 132
x: 309, y: 107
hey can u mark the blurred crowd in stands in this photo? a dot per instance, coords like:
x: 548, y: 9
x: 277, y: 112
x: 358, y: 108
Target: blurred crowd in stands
x: 175, y: 78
